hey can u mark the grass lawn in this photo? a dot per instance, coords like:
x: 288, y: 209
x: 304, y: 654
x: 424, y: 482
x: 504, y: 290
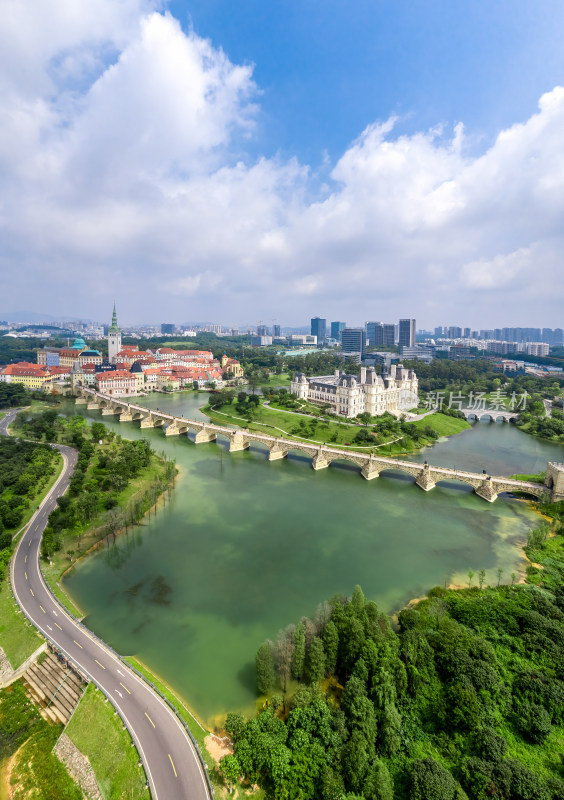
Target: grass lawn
x: 18, y: 638
x: 278, y: 380
x: 443, y: 424
x: 537, y: 477
x: 277, y: 422
x: 99, y: 735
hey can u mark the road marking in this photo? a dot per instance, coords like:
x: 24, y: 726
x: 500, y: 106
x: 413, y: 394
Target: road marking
x: 125, y: 687
x: 55, y: 613
x: 78, y: 645
x: 173, y: 767
x: 29, y: 543
x: 117, y: 691
x: 31, y: 590
x: 100, y: 665
x: 50, y: 628
x: 41, y: 607
x: 25, y: 559
x: 119, y: 672
x: 58, y: 626
x: 150, y: 720
x: 25, y: 573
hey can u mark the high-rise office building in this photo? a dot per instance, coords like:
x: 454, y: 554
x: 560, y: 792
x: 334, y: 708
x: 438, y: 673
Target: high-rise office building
x: 167, y: 327
x: 371, y: 328
x: 406, y: 333
x: 276, y: 330
x: 336, y: 329
x: 319, y: 329
x: 262, y: 330
x: 353, y: 342
x: 466, y: 333
x: 384, y: 334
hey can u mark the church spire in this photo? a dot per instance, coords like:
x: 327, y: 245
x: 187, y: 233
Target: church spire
x: 114, y: 328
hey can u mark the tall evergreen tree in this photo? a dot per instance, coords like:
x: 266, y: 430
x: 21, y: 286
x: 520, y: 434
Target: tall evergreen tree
x: 316, y: 661
x: 298, y: 657
x: 264, y: 662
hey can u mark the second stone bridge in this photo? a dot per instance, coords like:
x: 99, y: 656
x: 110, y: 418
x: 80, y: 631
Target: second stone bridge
x: 426, y: 476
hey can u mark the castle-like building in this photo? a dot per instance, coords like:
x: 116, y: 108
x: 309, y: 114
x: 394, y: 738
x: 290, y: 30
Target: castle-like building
x: 394, y: 391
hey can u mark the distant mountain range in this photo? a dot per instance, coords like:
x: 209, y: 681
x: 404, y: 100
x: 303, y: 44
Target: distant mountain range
x: 32, y: 316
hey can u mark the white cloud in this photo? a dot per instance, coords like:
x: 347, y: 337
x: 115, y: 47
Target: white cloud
x: 123, y: 170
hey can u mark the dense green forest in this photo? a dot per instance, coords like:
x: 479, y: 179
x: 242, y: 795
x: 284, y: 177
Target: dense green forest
x: 25, y: 469
x: 14, y: 394
x: 464, y: 698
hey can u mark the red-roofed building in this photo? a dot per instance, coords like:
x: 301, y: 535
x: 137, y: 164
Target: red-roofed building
x: 116, y: 383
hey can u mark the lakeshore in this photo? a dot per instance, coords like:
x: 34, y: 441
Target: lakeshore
x: 194, y: 591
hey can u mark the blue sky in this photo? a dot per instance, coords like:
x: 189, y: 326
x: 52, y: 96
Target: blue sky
x: 328, y: 69
x: 223, y: 161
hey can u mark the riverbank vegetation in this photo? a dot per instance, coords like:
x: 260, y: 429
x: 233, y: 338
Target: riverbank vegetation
x: 464, y: 698
x: 115, y: 483
x: 283, y: 415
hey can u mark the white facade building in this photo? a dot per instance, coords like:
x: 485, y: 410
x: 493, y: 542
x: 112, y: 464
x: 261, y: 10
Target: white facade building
x: 394, y: 391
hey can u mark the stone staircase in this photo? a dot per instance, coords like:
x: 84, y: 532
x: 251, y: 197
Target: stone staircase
x: 55, y: 688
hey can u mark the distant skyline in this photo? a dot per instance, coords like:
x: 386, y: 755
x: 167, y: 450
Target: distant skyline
x: 221, y: 161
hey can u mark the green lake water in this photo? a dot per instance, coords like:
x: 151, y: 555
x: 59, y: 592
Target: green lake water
x: 245, y: 547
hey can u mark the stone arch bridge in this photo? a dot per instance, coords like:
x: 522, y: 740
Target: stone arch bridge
x: 426, y: 477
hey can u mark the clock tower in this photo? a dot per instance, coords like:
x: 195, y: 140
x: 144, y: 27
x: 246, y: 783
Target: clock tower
x: 114, y: 339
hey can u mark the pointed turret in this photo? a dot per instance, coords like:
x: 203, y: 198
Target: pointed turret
x: 114, y: 327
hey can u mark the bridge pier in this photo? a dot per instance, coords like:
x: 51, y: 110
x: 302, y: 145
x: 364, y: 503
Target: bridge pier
x: 126, y: 416
x: 151, y: 421
x: 238, y: 442
x: 487, y: 491
x: 204, y: 435
x: 175, y: 428
x: 370, y: 470
x: 92, y: 406
x: 320, y: 460
x: 276, y: 452
x: 80, y: 401
x: 425, y: 480
x: 106, y: 412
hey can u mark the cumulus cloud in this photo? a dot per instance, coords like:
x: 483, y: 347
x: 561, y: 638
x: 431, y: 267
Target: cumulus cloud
x: 123, y: 171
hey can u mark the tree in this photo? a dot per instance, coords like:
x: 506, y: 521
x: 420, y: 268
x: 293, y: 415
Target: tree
x: 98, y: 431
x: 378, y: 784
x: 470, y: 576
x: 499, y: 574
x: 358, y: 600
x: 315, y: 661
x: 298, y: 657
x: 365, y: 418
x: 431, y: 781
x: 331, y: 646
x: 231, y: 770
x: 481, y: 577
x: 284, y: 652
x: 264, y: 663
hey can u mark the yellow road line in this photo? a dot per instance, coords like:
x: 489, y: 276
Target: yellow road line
x: 77, y: 644
x: 58, y: 626
x: 41, y: 607
x: 25, y: 573
x: 173, y: 767
x: 150, y: 720
x: 100, y: 665
x: 25, y: 559
x: 125, y: 687
x: 31, y: 590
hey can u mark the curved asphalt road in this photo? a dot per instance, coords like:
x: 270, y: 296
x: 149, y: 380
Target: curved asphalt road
x: 171, y: 762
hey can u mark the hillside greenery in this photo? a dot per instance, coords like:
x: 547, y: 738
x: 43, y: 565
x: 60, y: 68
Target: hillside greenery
x: 463, y: 698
